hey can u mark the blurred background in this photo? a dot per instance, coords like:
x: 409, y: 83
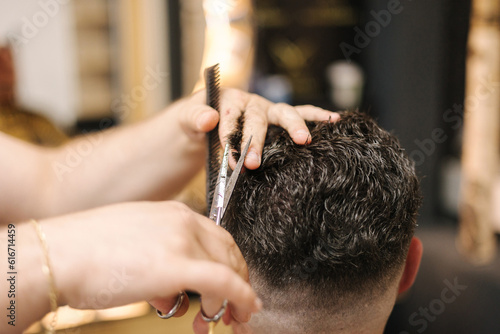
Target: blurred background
x: 71, y: 67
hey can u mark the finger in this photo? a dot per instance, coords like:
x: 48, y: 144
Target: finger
x: 200, y: 326
x: 236, y: 102
x: 227, y: 317
x: 211, y: 306
x: 227, y: 125
x: 238, y: 327
x: 221, y: 247
x: 184, y: 307
x: 232, y: 104
x: 198, y: 118
x: 241, y: 328
x: 312, y: 113
x: 235, y: 315
x: 255, y: 125
x: 215, y: 280
x: 288, y: 118
x: 164, y: 305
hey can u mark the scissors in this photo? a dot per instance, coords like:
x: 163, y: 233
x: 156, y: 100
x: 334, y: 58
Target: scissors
x: 223, y: 191
x: 220, y: 200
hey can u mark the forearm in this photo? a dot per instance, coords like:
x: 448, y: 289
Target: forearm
x: 146, y: 161
x: 23, y: 178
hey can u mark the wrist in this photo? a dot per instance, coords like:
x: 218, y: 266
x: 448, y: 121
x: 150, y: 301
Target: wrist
x: 66, y: 270
x: 33, y: 285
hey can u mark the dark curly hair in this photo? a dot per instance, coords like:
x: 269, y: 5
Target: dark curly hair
x: 337, y: 214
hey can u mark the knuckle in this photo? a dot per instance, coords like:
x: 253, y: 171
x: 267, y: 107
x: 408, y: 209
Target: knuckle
x: 228, y: 240
x: 186, y: 215
x: 226, y: 276
x: 282, y: 107
x: 276, y: 110
x: 240, y: 266
x: 232, y: 246
x: 180, y: 207
x: 236, y: 94
x: 241, y: 95
x: 255, y: 114
x: 232, y: 251
x: 284, y: 112
x: 235, y: 258
x: 227, y: 236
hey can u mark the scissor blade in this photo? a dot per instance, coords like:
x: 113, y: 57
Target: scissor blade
x: 220, y: 186
x: 234, y: 177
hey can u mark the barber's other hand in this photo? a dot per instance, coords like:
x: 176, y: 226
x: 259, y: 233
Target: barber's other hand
x: 196, y: 118
x: 130, y: 252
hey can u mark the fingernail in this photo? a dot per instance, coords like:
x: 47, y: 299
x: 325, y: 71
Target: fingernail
x: 252, y: 155
x: 301, y: 136
x: 333, y: 117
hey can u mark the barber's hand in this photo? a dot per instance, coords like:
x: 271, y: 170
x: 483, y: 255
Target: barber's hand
x: 197, y: 119
x: 130, y: 252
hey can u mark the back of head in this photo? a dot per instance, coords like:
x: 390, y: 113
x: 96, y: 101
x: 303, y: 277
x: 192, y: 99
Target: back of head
x: 325, y: 227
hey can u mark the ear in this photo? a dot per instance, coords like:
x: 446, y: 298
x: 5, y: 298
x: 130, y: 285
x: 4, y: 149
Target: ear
x: 411, y: 265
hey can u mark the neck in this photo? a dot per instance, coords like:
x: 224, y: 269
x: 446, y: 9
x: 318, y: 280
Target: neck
x: 257, y: 326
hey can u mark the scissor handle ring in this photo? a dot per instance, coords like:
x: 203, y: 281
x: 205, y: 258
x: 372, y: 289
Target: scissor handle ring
x: 173, y: 311
x: 216, y: 317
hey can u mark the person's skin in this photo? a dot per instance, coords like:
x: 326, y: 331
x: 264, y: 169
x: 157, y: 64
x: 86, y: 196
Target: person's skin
x: 400, y: 286
x: 126, y: 253
x: 150, y: 160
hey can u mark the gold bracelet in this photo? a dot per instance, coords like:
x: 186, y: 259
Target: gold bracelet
x: 47, y: 269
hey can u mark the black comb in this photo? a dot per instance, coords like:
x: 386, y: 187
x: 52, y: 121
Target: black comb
x: 212, y: 86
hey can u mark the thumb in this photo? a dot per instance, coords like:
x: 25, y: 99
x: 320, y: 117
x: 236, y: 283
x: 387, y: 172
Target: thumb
x: 196, y: 119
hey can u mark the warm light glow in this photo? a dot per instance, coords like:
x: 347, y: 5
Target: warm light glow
x: 228, y: 41
x: 68, y: 317
x: 123, y: 312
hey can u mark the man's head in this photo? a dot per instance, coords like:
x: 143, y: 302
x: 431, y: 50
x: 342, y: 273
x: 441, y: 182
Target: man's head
x: 325, y: 228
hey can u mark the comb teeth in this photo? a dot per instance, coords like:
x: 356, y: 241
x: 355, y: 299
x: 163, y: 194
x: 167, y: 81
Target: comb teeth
x: 212, y: 86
